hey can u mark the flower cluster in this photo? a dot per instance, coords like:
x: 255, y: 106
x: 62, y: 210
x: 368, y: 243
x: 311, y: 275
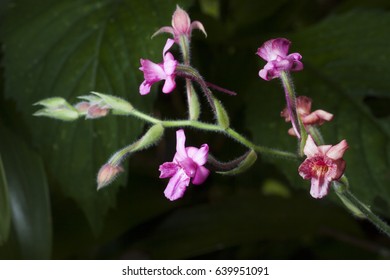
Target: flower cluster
x: 188, y: 162
x: 324, y: 163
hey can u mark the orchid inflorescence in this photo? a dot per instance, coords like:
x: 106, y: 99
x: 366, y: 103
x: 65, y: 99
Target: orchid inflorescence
x: 324, y: 164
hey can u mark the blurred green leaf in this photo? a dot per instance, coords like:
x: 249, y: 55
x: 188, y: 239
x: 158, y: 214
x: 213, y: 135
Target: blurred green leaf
x: 5, y: 214
x: 29, y: 197
x: 67, y: 49
x: 240, y: 219
x: 342, y: 66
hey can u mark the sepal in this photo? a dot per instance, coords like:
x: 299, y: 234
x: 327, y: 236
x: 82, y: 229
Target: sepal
x: 57, y: 108
x: 221, y: 114
x: 118, y: 105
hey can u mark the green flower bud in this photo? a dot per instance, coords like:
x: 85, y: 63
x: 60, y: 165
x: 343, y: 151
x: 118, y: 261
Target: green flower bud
x: 57, y: 108
x: 151, y: 137
x: 221, y: 114
x: 118, y: 105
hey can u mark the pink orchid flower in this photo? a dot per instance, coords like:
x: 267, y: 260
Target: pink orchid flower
x: 318, y: 117
x: 154, y: 72
x: 275, y: 52
x: 186, y: 164
x: 181, y: 25
x: 323, y: 165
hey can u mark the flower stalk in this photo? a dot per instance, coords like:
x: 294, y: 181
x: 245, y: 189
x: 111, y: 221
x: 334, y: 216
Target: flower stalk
x: 296, y: 121
x: 374, y: 219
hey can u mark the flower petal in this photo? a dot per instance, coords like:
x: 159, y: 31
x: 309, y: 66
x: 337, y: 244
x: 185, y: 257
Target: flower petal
x: 181, y: 153
x: 189, y: 166
x: 271, y: 49
x: 311, y: 148
x: 169, y: 64
x: 303, y: 105
x: 337, y: 151
x: 144, y: 88
x: 198, y: 25
x: 177, y: 185
x: 165, y: 29
x: 296, y: 66
x: 181, y: 21
x: 201, y: 175
x: 168, y: 45
x: 319, y: 187
x: 169, y: 85
x: 317, y: 117
x: 153, y: 72
x: 340, y: 168
x: 200, y: 156
x: 168, y: 169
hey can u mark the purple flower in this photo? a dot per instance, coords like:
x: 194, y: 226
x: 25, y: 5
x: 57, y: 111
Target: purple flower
x: 186, y: 164
x: 322, y: 165
x: 275, y: 52
x: 157, y: 72
x: 181, y: 25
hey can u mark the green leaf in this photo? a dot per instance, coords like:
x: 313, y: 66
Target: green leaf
x: 5, y: 214
x: 29, y: 197
x: 342, y: 66
x: 67, y: 49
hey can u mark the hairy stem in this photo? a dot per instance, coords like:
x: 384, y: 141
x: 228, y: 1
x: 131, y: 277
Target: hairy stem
x: 374, y: 219
x: 265, y: 151
x: 296, y: 121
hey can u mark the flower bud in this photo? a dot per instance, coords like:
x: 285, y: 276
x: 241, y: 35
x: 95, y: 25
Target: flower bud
x: 118, y: 105
x: 107, y: 174
x: 221, y: 114
x: 152, y: 136
x: 57, y: 108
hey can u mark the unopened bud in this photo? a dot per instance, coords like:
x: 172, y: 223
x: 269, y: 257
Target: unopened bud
x: 107, y: 174
x: 82, y: 107
x: 221, y: 114
x: 57, y: 108
x: 96, y: 111
x: 118, y: 105
x: 151, y: 137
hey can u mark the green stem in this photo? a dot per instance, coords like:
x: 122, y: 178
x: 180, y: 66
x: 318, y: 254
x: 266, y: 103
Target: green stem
x: 216, y: 128
x: 374, y: 219
x: 296, y: 121
x: 144, y: 117
x: 316, y: 134
x: 192, y: 98
x: 189, y: 72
